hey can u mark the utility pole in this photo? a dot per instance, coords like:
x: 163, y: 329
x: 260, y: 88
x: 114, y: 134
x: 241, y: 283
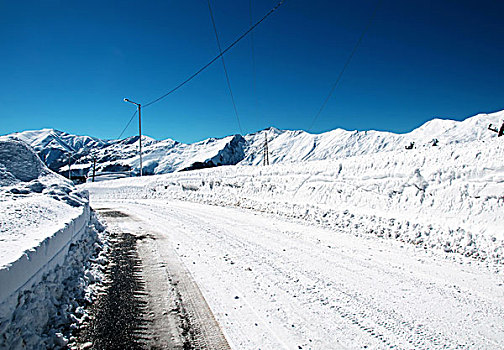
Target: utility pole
x: 69, y: 173
x: 94, y: 167
x: 140, y: 135
x: 266, y: 153
x: 139, y: 130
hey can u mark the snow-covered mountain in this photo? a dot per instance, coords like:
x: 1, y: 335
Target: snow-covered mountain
x: 285, y: 146
x: 54, y: 146
x: 294, y: 146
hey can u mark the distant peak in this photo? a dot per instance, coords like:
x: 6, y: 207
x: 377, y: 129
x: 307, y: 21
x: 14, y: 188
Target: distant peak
x: 272, y: 130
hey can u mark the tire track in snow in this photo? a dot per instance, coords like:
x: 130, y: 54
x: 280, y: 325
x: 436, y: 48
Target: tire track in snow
x: 150, y: 302
x: 345, y: 313
x: 343, y: 302
x: 360, y: 314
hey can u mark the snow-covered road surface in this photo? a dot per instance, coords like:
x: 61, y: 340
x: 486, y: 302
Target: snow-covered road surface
x: 274, y: 284
x: 150, y: 300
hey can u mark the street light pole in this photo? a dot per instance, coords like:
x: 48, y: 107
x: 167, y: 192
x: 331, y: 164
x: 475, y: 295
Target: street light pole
x: 139, y: 129
x: 140, y: 138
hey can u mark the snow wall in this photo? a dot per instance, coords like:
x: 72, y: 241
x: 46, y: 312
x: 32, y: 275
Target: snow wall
x: 28, y: 270
x: 38, y: 292
x: 448, y: 198
x: 47, y: 240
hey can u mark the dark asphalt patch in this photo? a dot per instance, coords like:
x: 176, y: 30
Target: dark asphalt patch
x: 119, y: 316
x: 113, y: 214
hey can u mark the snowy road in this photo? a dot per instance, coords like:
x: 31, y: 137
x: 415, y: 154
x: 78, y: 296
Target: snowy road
x: 274, y: 284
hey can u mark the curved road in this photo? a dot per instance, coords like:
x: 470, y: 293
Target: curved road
x: 277, y: 284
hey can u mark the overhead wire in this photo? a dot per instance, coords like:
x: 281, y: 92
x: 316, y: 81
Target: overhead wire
x: 221, y: 54
x: 347, y: 62
x: 133, y: 116
x: 216, y: 57
x: 224, y: 66
x: 252, y: 53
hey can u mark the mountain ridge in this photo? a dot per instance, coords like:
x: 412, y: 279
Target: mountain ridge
x: 165, y: 156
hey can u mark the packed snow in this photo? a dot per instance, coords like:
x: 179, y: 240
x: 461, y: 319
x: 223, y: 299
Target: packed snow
x: 281, y: 283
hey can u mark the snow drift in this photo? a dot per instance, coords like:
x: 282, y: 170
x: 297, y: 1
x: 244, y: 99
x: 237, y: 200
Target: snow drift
x: 45, y: 239
x: 448, y: 198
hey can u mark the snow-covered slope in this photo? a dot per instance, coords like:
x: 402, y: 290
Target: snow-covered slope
x: 168, y: 156
x: 294, y: 146
x: 285, y: 146
x: 50, y: 138
x: 54, y: 146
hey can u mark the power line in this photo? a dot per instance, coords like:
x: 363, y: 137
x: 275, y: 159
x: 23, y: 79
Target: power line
x: 252, y: 52
x: 133, y: 116
x: 216, y: 57
x: 191, y: 77
x: 346, y: 63
x: 224, y: 66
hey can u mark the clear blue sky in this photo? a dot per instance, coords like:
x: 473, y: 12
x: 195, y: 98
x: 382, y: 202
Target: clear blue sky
x: 68, y: 65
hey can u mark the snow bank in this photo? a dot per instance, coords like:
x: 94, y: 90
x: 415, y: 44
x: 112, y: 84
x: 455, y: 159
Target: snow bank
x: 447, y: 197
x: 44, y: 312
x: 35, y: 203
x: 45, y: 235
x: 22, y: 273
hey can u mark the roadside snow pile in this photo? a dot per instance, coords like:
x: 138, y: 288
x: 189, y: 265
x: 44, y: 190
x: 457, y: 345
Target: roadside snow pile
x: 45, y: 315
x: 46, y: 238
x: 34, y: 202
x: 448, y: 197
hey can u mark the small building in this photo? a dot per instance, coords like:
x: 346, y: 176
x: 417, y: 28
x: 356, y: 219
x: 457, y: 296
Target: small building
x: 78, y: 172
